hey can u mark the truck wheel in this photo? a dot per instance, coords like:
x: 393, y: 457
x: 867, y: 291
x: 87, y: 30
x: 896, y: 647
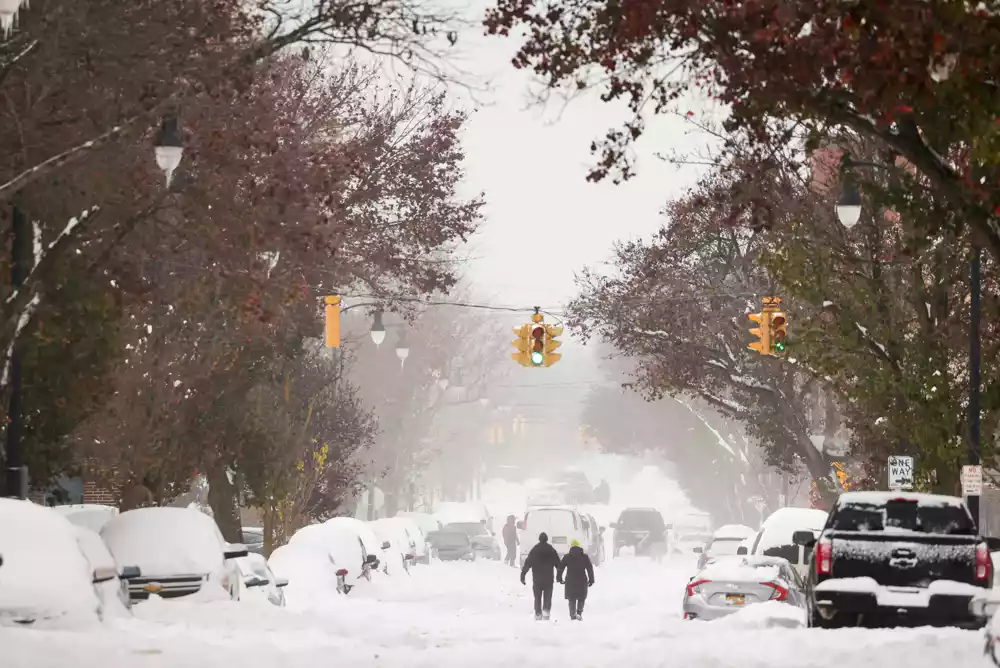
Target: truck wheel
x: 816, y: 620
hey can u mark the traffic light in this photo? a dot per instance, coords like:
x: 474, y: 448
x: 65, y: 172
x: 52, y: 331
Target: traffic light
x: 332, y: 322
x: 779, y: 331
x: 538, y: 344
x: 762, y: 332
x: 523, y: 345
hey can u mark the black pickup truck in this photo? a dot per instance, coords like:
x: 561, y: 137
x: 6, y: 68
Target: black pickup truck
x: 899, y: 558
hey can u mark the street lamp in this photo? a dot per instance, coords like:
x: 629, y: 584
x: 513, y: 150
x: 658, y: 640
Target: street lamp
x: 378, y: 329
x: 849, y: 212
x: 169, y: 146
x: 8, y: 12
x: 402, y: 347
x: 849, y: 205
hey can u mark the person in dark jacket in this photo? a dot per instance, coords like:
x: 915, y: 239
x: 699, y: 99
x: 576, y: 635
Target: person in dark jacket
x: 577, y: 573
x: 510, y: 540
x: 542, y: 560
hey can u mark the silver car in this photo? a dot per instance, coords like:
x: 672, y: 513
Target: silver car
x: 729, y: 584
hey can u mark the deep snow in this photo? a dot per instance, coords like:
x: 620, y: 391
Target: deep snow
x: 463, y: 614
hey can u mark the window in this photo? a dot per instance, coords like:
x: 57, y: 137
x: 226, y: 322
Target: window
x: 905, y: 515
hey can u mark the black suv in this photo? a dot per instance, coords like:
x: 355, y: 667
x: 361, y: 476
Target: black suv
x: 642, y: 529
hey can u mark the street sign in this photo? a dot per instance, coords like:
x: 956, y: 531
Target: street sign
x: 900, y: 472
x: 972, y: 480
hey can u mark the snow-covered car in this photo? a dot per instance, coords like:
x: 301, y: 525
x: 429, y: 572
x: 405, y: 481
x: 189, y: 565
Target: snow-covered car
x: 399, y: 554
x: 484, y: 542
x: 179, y: 551
x: 91, y: 516
x: 418, y: 538
x: 774, y: 539
x: 595, y: 540
x: 726, y: 541
x: 328, y: 555
x: 44, y: 573
x: 428, y: 524
x: 260, y: 580
x: 729, y: 584
x: 113, y: 591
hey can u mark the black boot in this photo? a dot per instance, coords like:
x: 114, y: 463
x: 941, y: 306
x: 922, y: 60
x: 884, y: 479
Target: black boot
x: 572, y: 609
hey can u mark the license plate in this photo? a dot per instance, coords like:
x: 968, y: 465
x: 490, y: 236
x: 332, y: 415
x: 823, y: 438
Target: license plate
x: 559, y: 539
x: 736, y: 599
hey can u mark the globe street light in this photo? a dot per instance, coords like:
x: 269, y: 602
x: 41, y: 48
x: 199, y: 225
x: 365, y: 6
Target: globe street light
x: 8, y: 12
x: 402, y: 347
x: 169, y: 146
x: 849, y: 205
x: 378, y: 329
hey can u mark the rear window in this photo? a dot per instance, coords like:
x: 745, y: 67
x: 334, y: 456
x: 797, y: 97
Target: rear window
x: 644, y: 520
x: 721, y: 547
x: 449, y: 539
x: 469, y: 528
x: 553, y: 520
x: 903, y: 515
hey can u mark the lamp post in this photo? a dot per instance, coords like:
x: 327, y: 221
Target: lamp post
x: 378, y: 329
x: 22, y: 260
x: 849, y: 212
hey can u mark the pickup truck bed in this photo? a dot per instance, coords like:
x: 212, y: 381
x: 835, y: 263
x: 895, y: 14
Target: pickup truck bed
x: 908, y: 558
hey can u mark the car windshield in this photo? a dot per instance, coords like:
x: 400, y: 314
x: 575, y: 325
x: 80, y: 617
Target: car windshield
x: 724, y: 546
x: 903, y: 515
x: 643, y: 520
x: 470, y: 529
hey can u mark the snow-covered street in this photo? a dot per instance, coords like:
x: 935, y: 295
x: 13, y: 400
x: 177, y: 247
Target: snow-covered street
x: 466, y: 614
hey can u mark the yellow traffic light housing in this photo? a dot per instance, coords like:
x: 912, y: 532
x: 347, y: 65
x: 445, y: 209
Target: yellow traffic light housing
x: 551, y: 356
x: 537, y: 345
x: 332, y: 321
x: 762, y: 332
x: 778, y: 331
x: 523, y: 345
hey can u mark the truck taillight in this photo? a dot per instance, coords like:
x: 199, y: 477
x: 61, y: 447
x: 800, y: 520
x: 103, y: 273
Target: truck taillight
x: 824, y: 557
x: 984, y: 564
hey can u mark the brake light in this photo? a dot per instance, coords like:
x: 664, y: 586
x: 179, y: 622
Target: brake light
x: 693, y: 586
x: 984, y: 564
x: 780, y: 593
x: 341, y: 572
x: 824, y: 557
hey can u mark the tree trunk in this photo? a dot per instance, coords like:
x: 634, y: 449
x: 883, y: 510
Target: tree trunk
x: 222, y: 499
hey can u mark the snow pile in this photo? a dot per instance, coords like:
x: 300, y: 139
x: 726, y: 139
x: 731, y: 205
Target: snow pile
x: 44, y: 571
x: 362, y: 530
x: 766, y: 615
x: 89, y: 516
x: 312, y: 578
x: 166, y: 541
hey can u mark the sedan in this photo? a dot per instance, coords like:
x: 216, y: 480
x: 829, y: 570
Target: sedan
x: 729, y: 584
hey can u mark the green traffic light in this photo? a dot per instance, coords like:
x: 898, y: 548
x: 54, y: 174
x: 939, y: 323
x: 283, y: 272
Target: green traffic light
x: 780, y: 347
x: 537, y: 358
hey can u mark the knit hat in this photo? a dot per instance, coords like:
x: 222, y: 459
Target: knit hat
x: 575, y: 543
x: 543, y: 537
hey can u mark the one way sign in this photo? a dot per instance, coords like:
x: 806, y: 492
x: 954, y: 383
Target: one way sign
x: 900, y: 472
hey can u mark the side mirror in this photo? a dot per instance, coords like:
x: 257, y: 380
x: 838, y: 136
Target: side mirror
x: 804, y: 538
x: 993, y: 544
x: 519, y: 525
x: 235, y: 551
x: 741, y: 550
x: 130, y: 572
x: 699, y: 550
x: 371, y: 559
x: 281, y: 582
x: 256, y: 582
x: 104, y: 574
x: 385, y: 545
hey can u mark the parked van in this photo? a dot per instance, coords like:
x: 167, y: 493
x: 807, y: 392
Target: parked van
x: 775, y: 536
x: 562, y: 524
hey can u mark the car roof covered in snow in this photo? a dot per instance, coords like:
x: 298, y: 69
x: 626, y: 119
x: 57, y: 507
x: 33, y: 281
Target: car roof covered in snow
x: 166, y: 541
x: 734, y: 532
x: 742, y: 569
x: 798, y: 518
x: 880, y: 498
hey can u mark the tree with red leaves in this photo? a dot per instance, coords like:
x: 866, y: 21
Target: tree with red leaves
x: 918, y: 76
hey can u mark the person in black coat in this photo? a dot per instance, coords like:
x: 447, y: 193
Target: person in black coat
x: 579, y: 577
x: 542, y: 560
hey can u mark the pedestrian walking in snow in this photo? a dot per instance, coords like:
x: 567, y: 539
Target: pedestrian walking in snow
x: 577, y: 572
x: 510, y: 540
x: 543, y: 560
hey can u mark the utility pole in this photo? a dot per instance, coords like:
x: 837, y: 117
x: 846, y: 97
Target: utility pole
x: 16, y: 473
x: 975, y: 311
